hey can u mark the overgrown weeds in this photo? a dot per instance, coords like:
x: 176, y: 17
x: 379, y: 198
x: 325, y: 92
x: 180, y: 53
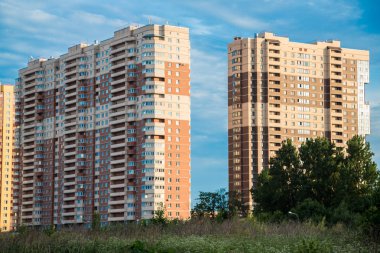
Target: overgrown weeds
x: 196, y: 235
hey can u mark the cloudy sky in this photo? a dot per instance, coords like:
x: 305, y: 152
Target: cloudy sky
x: 48, y: 28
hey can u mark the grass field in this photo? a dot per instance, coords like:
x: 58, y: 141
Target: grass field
x: 193, y: 236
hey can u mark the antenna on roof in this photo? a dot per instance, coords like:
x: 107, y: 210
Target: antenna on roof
x: 150, y: 20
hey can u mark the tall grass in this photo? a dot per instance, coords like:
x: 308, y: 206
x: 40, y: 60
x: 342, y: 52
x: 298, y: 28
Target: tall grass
x: 236, y: 235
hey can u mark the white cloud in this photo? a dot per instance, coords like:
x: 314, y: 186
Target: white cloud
x: 90, y: 18
x: 41, y: 16
x: 338, y: 9
x: 209, y: 90
x: 6, y: 58
x: 13, y: 12
x: 244, y: 22
x: 239, y: 19
x: 197, y: 27
x: 31, y: 30
x: 154, y: 19
x: 210, y: 68
x: 38, y: 23
x: 9, y: 57
x: 334, y: 10
x: 96, y: 19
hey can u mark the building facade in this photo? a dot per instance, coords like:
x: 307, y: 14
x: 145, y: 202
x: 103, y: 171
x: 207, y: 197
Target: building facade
x: 105, y: 129
x: 7, y: 114
x: 278, y: 89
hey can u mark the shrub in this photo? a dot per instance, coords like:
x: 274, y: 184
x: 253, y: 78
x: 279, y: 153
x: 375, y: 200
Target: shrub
x: 312, y: 246
x: 271, y: 217
x: 50, y: 230
x: 310, y: 210
x: 139, y: 247
x: 342, y: 214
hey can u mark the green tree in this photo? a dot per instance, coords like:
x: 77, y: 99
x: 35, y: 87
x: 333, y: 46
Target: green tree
x: 222, y: 204
x: 206, y: 205
x: 235, y: 206
x: 321, y: 163
x: 159, y: 215
x: 321, y: 180
x: 212, y: 203
x: 279, y: 187
x: 372, y: 214
x: 358, y: 175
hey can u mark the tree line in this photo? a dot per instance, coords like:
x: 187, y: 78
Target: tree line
x: 317, y: 181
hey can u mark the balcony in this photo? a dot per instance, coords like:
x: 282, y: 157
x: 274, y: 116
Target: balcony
x: 70, y: 63
x: 120, y: 177
x: 70, y: 71
x: 118, y: 161
x: 117, y: 120
x: 116, y: 218
x: 117, y: 112
x: 117, y: 72
x: 117, y: 49
x: 118, y: 64
x: 118, y: 89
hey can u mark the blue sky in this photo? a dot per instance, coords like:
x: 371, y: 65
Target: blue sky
x: 48, y: 28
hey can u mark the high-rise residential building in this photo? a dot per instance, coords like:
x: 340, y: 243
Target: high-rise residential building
x: 278, y: 89
x: 7, y: 115
x: 105, y: 129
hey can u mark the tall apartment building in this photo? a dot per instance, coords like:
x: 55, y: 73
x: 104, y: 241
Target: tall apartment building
x: 6, y: 156
x: 278, y: 89
x: 105, y: 128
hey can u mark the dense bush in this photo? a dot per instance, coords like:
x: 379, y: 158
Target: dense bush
x: 310, y: 209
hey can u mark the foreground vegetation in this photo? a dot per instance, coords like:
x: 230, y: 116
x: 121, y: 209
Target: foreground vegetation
x: 319, y: 181
x: 316, y: 182
x: 197, y: 235
x: 318, y: 198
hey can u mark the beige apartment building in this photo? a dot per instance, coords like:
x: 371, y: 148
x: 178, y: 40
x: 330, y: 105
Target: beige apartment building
x: 7, y: 115
x: 278, y: 89
x: 105, y: 128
